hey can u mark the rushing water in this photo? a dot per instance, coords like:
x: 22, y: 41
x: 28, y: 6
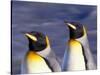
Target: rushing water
x: 49, y: 19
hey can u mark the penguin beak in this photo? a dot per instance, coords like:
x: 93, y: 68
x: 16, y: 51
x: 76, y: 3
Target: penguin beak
x: 70, y: 25
x: 31, y: 37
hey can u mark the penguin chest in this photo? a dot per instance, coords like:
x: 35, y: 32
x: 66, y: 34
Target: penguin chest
x: 36, y: 64
x: 76, y: 57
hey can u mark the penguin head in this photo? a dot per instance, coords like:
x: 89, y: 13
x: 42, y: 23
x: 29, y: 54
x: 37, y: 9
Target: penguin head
x: 76, y: 29
x: 37, y: 41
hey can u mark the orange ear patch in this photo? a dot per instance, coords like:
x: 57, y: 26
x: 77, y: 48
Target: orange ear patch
x: 47, y: 40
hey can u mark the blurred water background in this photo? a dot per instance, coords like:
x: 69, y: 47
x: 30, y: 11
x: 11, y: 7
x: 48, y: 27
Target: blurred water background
x: 49, y: 19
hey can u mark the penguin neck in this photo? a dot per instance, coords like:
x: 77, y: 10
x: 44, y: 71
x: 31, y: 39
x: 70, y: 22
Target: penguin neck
x: 44, y: 53
x: 36, y: 48
x: 83, y: 40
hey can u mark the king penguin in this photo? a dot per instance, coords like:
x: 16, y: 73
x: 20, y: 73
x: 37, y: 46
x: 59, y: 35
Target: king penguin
x: 40, y: 58
x: 78, y: 56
